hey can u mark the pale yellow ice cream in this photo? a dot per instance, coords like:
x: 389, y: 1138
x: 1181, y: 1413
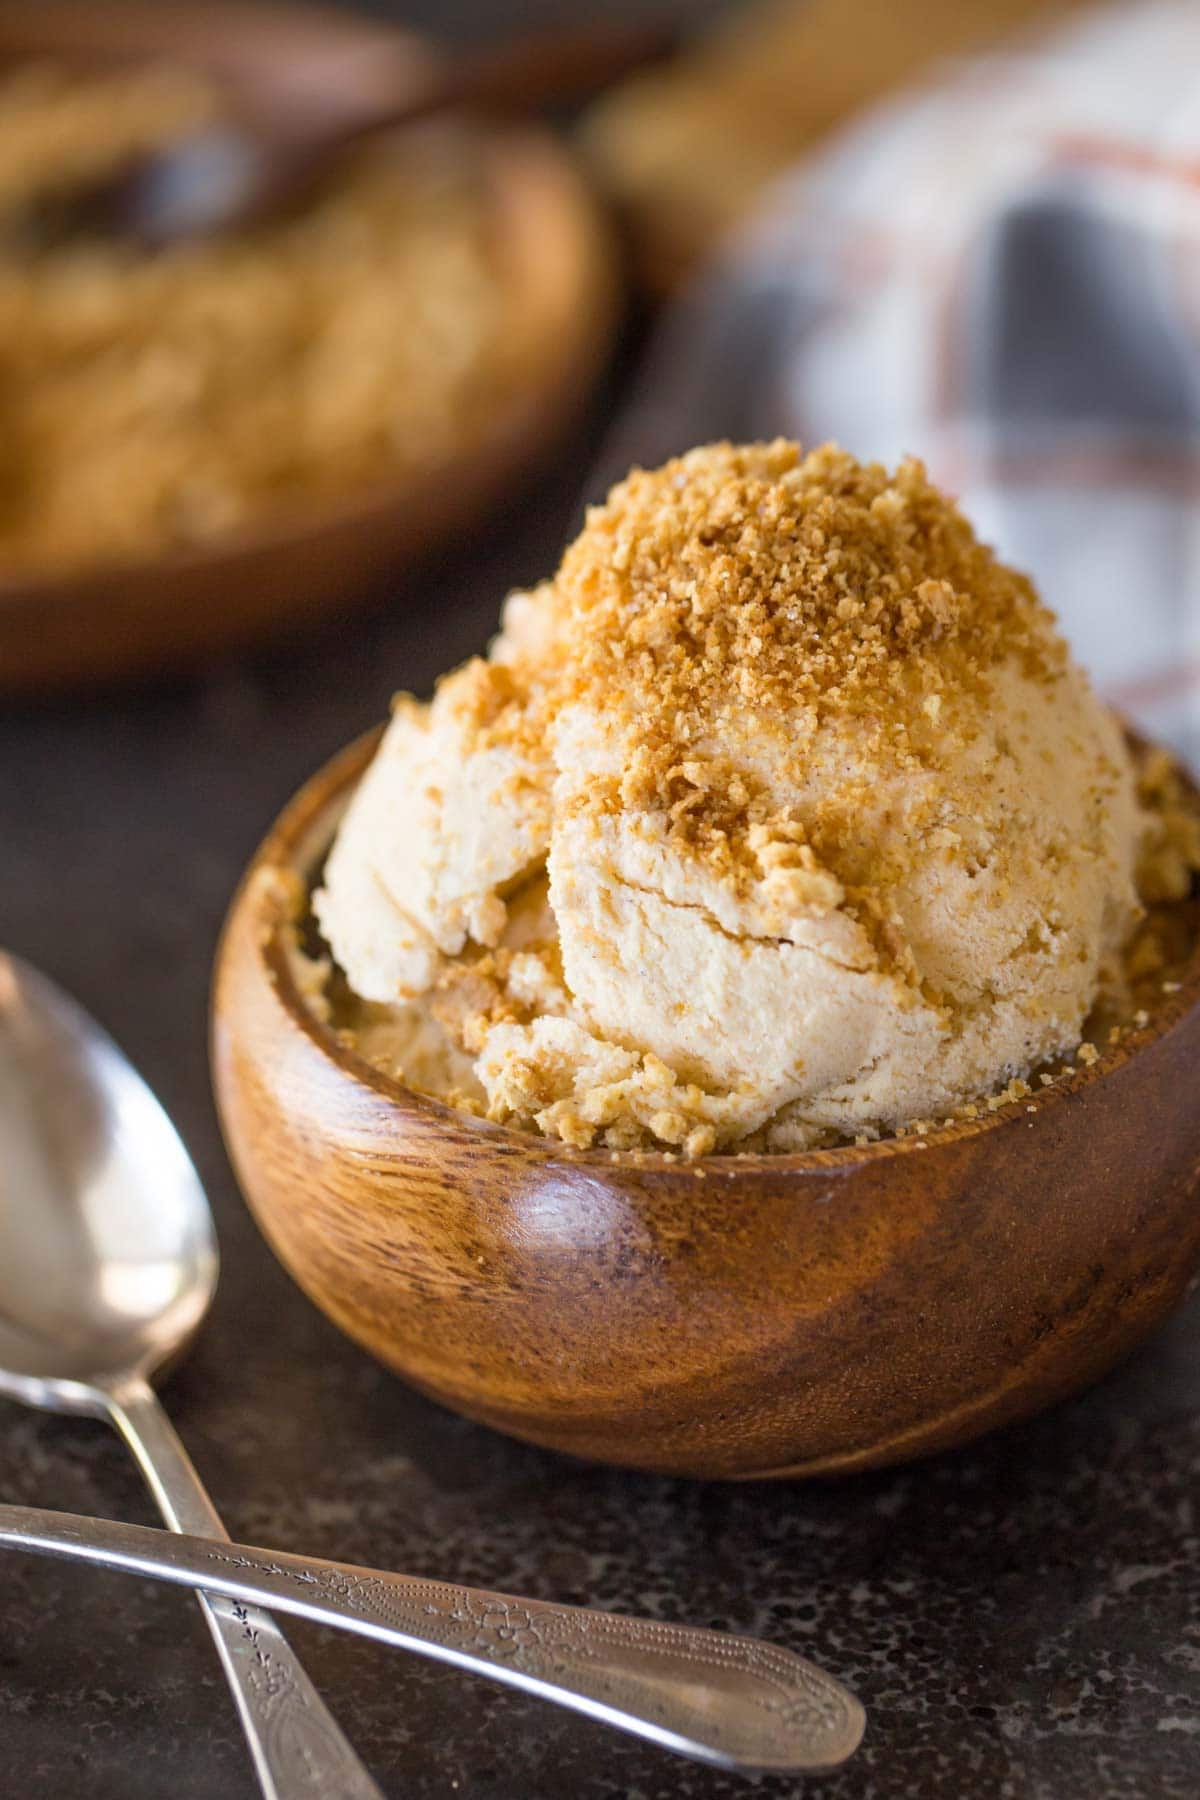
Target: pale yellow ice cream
x: 781, y: 814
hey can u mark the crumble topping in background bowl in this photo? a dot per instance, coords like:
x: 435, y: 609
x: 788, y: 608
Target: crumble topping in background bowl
x: 781, y: 817
x: 157, y: 401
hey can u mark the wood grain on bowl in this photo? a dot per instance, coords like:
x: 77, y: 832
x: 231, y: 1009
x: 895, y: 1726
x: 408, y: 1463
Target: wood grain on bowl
x: 743, y: 1316
x: 288, y: 567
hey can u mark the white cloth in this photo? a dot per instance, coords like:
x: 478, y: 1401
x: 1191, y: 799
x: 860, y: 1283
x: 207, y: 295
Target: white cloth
x: 999, y: 273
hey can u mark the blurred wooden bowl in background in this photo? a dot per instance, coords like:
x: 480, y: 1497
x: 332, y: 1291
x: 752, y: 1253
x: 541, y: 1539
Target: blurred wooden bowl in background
x: 286, y: 568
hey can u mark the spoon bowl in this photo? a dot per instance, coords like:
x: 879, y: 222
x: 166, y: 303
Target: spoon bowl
x: 108, y: 1262
x: 108, y: 1258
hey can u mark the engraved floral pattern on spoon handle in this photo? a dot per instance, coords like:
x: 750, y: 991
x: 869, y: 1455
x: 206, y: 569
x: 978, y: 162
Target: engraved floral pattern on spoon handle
x: 754, y: 1701
x: 296, y: 1744
x: 729, y: 1700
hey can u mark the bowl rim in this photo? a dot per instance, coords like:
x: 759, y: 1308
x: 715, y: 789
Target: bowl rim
x: 301, y: 833
x: 516, y: 156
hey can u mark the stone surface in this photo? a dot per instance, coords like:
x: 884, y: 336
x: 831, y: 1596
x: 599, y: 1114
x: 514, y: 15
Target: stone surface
x: 1022, y: 1620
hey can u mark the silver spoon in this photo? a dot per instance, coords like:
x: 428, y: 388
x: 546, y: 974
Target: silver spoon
x: 108, y: 1263
x: 731, y: 1701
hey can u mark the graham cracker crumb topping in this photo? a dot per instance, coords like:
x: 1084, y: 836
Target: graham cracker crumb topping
x: 779, y: 817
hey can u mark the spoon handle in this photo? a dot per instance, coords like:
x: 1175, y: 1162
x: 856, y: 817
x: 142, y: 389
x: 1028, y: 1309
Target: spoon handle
x: 297, y: 1746
x: 731, y: 1701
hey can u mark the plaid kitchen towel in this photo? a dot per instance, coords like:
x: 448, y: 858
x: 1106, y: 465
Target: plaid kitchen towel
x: 1000, y: 274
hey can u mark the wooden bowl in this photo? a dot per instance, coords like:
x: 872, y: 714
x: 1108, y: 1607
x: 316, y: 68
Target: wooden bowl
x: 293, y: 564
x: 743, y: 1316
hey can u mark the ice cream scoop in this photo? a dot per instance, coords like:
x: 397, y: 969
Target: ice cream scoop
x: 781, y: 815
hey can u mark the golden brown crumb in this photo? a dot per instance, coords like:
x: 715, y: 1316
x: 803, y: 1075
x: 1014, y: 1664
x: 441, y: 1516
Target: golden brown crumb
x: 759, y: 579
x: 1171, y: 856
x: 755, y: 574
x: 1016, y: 1090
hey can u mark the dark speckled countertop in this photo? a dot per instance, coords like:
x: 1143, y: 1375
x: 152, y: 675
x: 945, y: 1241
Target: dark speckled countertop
x: 1021, y: 1620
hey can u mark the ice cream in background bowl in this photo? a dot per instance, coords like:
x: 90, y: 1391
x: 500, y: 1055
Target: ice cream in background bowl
x: 746, y: 1022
